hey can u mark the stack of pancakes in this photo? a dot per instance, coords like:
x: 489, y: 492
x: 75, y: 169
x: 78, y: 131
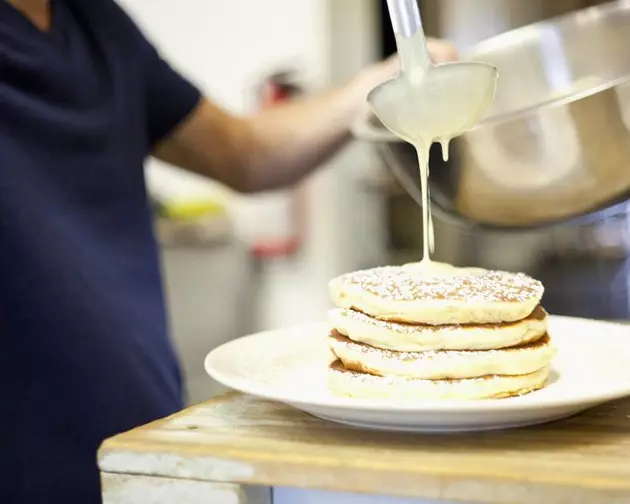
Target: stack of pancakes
x: 399, y: 332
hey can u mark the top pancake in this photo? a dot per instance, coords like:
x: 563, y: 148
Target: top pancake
x: 405, y: 294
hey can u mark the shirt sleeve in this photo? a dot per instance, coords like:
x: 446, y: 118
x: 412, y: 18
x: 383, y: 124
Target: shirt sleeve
x: 169, y: 97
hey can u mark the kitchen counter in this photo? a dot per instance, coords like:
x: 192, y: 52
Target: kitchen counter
x: 235, y: 448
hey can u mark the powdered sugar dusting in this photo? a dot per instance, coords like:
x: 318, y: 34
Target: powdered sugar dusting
x: 404, y: 284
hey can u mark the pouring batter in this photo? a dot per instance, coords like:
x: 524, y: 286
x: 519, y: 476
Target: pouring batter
x: 428, y: 103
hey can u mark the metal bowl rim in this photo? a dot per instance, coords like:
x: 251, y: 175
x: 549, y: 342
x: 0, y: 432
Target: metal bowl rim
x: 517, y: 115
x: 607, y: 9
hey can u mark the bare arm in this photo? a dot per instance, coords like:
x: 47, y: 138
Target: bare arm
x: 279, y: 146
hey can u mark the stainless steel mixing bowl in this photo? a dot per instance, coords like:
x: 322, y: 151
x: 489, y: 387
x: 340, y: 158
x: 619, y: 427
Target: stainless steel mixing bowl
x: 556, y: 144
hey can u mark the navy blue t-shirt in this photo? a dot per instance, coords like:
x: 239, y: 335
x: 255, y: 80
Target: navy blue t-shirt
x: 84, y: 350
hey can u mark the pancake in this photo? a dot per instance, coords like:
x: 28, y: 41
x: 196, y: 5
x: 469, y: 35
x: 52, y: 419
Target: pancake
x: 346, y: 383
x: 436, y: 365
x: 423, y: 337
x: 407, y: 294
x: 435, y: 268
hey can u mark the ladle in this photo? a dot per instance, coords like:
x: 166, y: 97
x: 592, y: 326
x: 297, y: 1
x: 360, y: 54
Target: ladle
x: 428, y: 102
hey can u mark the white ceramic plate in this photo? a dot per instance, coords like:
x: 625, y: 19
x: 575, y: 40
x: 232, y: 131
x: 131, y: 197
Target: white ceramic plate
x: 289, y: 366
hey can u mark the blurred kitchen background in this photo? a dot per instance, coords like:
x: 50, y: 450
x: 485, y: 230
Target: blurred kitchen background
x: 235, y: 264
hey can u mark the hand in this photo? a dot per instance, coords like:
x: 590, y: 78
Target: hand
x: 441, y: 51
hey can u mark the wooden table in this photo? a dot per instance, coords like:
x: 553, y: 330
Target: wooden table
x: 228, y: 450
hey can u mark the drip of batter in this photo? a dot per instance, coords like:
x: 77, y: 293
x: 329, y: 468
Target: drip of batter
x: 428, y: 238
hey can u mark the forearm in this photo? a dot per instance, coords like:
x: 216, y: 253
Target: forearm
x: 276, y: 147
x: 290, y: 141
x: 279, y: 146
x: 272, y: 149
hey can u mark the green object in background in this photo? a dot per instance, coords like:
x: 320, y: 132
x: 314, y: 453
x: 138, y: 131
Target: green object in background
x: 192, y: 209
x: 187, y: 210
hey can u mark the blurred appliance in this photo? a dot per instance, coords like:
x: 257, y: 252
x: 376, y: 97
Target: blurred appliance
x: 582, y: 263
x: 208, y: 278
x: 277, y: 218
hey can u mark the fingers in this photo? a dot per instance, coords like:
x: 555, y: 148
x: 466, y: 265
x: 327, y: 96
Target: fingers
x: 441, y: 51
x: 391, y: 66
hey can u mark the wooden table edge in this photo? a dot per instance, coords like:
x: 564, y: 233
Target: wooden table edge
x: 482, y: 488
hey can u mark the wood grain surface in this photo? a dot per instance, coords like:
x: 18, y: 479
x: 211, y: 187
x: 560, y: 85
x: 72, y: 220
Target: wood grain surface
x: 241, y: 439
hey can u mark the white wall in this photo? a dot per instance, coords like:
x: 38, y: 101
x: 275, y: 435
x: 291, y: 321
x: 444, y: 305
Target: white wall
x: 224, y: 46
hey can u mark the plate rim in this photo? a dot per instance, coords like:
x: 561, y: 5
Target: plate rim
x: 513, y: 404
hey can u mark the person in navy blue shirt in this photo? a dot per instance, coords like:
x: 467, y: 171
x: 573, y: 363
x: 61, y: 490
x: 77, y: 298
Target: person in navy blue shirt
x: 84, y: 351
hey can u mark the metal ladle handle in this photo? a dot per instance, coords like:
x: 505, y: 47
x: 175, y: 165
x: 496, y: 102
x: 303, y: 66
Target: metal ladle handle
x: 407, y: 25
x: 405, y: 16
